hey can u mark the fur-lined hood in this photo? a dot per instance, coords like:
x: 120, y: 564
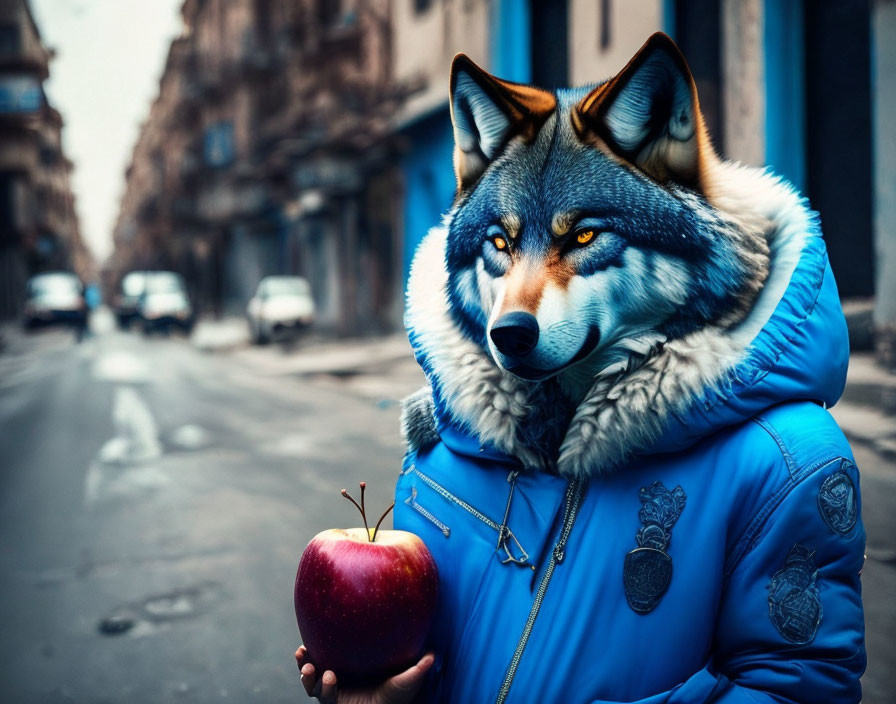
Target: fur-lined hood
x: 791, y: 345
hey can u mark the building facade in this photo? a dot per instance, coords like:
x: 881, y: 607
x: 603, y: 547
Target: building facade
x: 38, y: 223
x: 267, y: 152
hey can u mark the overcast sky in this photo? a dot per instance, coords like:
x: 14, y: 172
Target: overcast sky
x: 110, y: 54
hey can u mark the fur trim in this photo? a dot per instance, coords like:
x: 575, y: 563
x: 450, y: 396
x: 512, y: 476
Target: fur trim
x: 477, y: 394
x: 418, y: 422
x: 627, y: 407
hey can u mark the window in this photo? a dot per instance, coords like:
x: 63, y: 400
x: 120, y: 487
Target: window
x: 20, y: 94
x: 7, y: 206
x: 218, y: 145
x: 328, y: 12
x: 10, y: 39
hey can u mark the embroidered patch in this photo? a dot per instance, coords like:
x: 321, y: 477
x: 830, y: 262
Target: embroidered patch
x: 838, y: 502
x: 648, y: 568
x: 793, y: 603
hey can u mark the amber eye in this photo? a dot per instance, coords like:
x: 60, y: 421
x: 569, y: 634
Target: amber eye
x: 585, y: 236
x: 500, y: 243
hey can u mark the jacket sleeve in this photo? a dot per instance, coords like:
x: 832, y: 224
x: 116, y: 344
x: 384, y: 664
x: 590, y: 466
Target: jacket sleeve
x: 791, y: 627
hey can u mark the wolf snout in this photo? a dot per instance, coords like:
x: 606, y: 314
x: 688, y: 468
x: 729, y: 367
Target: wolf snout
x: 515, y: 334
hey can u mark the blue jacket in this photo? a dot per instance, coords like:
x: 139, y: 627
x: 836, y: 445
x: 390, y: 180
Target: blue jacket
x: 720, y: 563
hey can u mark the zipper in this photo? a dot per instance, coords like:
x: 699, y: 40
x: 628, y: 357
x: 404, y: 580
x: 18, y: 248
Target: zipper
x: 412, y: 502
x: 506, y: 539
x: 439, y: 489
x: 574, y: 493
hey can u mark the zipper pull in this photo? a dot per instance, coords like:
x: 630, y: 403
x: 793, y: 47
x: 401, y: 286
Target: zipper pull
x: 573, y: 500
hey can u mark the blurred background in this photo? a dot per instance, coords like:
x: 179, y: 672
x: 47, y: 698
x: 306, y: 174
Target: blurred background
x: 208, y: 210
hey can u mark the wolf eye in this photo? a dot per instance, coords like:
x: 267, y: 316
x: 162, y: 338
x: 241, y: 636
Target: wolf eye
x: 499, y: 242
x: 585, y: 235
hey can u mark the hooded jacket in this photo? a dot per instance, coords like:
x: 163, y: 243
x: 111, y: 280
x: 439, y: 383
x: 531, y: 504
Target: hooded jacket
x: 697, y: 540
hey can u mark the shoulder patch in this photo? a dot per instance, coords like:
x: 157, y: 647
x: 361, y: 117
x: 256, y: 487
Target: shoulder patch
x: 838, y: 501
x: 648, y: 568
x: 793, y: 603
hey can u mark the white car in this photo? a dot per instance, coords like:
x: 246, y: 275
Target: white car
x: 164, y: 303
x: 282, y: 304
x: 55, y: 297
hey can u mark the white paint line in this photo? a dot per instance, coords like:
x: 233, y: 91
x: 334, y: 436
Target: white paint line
x: 121, y: 367
x: 136, y: 441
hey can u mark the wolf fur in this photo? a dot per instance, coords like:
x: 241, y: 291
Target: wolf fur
x: 741, y: 232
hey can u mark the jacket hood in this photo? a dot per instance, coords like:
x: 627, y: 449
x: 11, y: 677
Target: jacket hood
x: 792, y: 344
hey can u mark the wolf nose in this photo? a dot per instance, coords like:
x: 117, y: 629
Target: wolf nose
x: 515, y: 334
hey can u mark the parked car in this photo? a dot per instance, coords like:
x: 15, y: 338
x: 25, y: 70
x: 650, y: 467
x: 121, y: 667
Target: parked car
x: 164, y: 303
x: 281, y: 305
x: 127, y: 299
x: 55, y: 297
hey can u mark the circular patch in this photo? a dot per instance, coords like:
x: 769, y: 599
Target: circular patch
x: 793, y: 602
x: 838, y: 502
x: 646, y: 576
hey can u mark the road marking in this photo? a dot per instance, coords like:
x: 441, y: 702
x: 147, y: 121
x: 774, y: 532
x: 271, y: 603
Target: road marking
x: 116, y: 468
x: 121, y: 367
x: 190, y: 437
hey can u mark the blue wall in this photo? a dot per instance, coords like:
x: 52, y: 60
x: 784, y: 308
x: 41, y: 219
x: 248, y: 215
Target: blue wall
x: 785, y: 111
x: 511, y: 52
x: 428, y: 167
x: 668, y: 20
x: 428, y: 178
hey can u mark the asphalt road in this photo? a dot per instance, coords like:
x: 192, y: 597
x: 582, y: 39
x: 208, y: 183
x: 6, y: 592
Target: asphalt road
x: 154, y: 501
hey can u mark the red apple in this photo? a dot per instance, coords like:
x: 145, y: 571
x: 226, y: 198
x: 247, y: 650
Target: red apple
x: 365, y: 600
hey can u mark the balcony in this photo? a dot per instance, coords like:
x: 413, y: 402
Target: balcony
x: 13, y: 59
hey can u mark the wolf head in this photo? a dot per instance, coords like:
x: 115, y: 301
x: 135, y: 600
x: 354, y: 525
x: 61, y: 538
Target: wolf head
x: 582, y: 233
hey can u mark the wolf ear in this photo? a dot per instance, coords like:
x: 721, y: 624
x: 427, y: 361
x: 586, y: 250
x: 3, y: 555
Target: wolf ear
x: 486, y: 113
x: 649, y: 114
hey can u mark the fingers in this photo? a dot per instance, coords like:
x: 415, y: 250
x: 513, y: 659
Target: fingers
x: 405, y: 684
x: 400, y: 688
x: 309, y: 678
x: 309, y: 681
x: 328, y: 688
x: 324, y: 688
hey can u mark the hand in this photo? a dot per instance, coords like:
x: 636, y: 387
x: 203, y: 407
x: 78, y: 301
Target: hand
x: 399, y: 689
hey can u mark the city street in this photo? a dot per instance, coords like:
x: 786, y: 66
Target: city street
x: 155, y: 502
x: 156, y: 498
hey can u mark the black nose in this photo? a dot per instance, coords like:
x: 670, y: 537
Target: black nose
x: 515, y: 334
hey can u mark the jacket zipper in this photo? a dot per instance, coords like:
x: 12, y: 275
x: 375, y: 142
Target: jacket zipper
x: 505, y: 535
x: 412, y: 502
x: 439, y: 489
x: 574, y: 493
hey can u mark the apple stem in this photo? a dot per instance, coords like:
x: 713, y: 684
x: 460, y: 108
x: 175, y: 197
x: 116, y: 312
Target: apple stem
x: 360, y: 506
x: 373, y: 538
x: 363, y: 486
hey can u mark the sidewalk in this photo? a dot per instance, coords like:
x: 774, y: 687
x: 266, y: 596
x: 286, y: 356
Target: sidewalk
x: 307, y: 355
x: 867, y: 410
x: 338, y: 358
x: 221, y: 335
x: 381, y: 369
